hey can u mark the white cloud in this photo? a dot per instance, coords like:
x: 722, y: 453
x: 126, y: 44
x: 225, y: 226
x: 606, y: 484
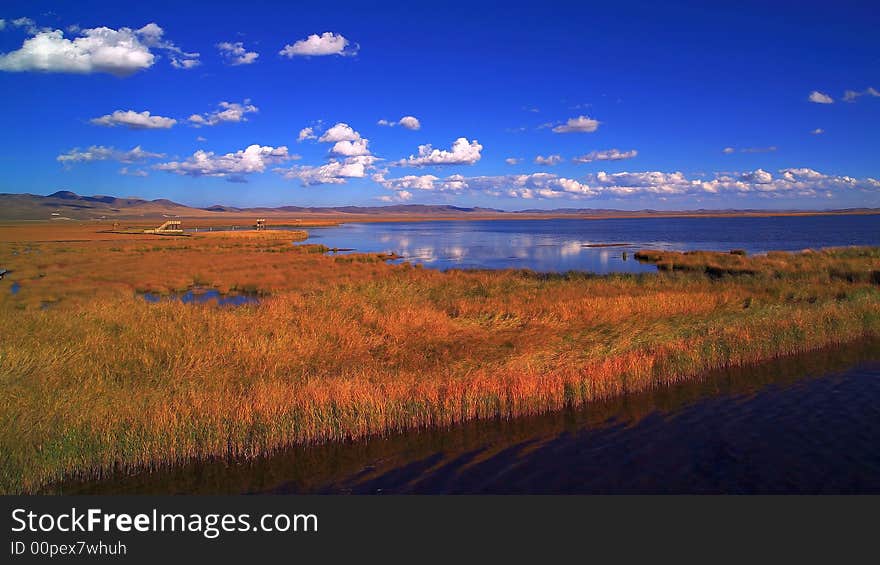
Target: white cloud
x: 512, y: 160
x: 792, y: 182
x: 818, y: 131
x: 28, y: 24
x: 119, y: 52
x: 125, y: 171
x: 346, y: 141
x: 350, y: 152
x: 327, y: 43
x: 201, y: 139
x: 254, y: 159
x: 409, y: 122
x: 185, y: 64
x: 730, y: 150
x: 608, y: 155
x: 134, y: 120
x: 852, y: 95
x: 235, y: 53
x: 549, y: 160
x: 227, y: 112
x: 462, y: 152
x: 339, y: 132
x: 820, y: 98
x: 758, y: 176
x: 400, y: 196
x: 151, y: 35
x: 102, y: 153
x: 306, y: 133
x: 351, y: 148
x: 333, y: 172
x: 580, y: 124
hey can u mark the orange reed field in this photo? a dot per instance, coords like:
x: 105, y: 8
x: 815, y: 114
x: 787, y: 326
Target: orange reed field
x: 95, y: 378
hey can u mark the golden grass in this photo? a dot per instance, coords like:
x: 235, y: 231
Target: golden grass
x: 342, y: 347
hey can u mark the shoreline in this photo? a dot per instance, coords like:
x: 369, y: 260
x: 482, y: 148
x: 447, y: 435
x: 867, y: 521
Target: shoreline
x: 293, y: 464
x: 319, y: 219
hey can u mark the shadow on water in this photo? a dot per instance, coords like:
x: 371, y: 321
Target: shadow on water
x: 809, y: 424
x: 203, y: 296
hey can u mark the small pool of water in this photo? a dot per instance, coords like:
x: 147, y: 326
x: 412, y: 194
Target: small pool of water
x: 15, y: 288
x: 203, y: 296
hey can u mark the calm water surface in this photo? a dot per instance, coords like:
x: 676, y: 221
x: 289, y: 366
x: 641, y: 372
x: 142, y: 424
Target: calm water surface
x: 561, y: 245
x: 805, y: 424
x: 202, y: 296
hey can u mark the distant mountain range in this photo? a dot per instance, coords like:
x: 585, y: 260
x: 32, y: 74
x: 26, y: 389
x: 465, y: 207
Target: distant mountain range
x: 69, y: 205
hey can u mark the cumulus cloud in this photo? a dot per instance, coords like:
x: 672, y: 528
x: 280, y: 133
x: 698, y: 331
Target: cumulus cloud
x: 607, y: 155
x: 102, y: 153
x: 339, y: 132
x: 235, y: 53
x: 549, y: 160
x: 800, y: 182
x: 254, y: 159
x: 120, y: 52
x: 820, y: 98
x: 351, y: 148
x: 853, y: 95
x: 512, y: 160
x: 463, y: 152
x: 409, y: 122
x: 346, y: 141
x: 580, y: 124
x: 117, y: 52
x: 453, y: 183
x: 335, y: 171
x: 226, y: 112
x: 134, y: 120
x: 306, y: 133
x: 315, y: 45
x: 350, y: 157
x: 818, y: 131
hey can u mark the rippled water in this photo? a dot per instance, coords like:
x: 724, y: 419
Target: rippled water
x: 599, y: 246
x: 805, y: 424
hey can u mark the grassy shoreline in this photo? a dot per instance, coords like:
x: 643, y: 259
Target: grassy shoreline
x: 344, y: 347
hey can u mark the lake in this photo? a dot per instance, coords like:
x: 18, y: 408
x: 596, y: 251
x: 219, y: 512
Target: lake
x: 599, y: 246
x: 803, y: 424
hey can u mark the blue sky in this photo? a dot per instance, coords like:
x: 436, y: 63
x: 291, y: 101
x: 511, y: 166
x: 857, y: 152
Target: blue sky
x: 644, y: 106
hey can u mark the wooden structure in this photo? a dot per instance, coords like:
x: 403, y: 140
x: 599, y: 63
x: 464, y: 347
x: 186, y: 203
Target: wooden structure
x: 261, y: 224
x: 171, y: 227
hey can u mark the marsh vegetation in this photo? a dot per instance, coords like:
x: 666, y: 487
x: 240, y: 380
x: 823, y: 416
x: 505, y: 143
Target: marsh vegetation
x: 343, y: 347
